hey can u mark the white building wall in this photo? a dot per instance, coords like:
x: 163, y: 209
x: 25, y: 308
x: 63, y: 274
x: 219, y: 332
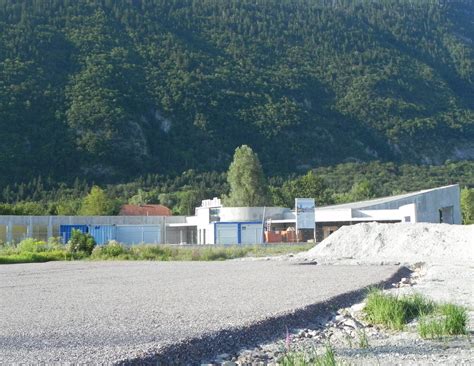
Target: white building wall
x: 333, y: 215
x: 408, y: 213
x: 210, y: 236
x: 376, y: 215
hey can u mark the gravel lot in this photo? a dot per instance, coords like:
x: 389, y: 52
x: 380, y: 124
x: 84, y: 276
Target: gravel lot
x: 116, y: 311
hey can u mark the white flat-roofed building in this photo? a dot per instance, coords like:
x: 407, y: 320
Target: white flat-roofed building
x: 216, y: 224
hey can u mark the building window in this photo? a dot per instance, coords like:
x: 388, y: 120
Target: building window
x: 214, y: 214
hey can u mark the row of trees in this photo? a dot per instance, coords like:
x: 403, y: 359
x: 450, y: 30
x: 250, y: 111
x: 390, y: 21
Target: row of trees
x: 248, y: 187
x: 245, y: 184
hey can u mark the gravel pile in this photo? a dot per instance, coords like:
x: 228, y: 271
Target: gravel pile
x: 405, y: 243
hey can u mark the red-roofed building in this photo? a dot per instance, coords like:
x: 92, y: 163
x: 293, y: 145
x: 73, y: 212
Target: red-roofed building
x: 144, y: 210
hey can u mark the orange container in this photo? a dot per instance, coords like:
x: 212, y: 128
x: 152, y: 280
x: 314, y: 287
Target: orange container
x: 272, y: 237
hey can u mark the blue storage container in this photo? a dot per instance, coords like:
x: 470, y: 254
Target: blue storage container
x: 231, y: 233
x: 102, y: 233
x: 66, y: 231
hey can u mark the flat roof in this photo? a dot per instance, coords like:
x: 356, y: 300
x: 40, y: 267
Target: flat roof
x: 353, y: 219
x: 181, y: 224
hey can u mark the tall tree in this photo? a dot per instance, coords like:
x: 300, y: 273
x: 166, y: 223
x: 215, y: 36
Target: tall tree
x: 247, y: 182
x: 309, y: 185
x: 97, y: 203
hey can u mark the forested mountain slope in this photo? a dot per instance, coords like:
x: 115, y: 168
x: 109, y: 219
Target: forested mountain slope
x: 110, y: 89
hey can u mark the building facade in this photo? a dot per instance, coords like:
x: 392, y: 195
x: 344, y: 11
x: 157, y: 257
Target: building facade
x: 215, y: 224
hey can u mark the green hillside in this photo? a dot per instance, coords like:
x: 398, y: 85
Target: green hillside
x: 110, y: 90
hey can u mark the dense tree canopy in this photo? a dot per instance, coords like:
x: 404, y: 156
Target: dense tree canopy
x: 110, y: 90
x: 247, y: 183
x: 96, y: 203
x: 341, y: 183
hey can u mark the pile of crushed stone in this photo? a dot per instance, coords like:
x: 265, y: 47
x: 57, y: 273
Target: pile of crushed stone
x: 406, y: 243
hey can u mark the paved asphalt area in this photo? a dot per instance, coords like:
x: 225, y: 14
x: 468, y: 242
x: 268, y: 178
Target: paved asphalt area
x: 104, y: 312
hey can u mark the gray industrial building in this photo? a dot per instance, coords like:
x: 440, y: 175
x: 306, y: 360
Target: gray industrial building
x: 436, y: 205
x: 215, y: 224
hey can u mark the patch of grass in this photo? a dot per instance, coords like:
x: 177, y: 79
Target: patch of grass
x: 455, y: 319
x: 446, y: 320
x: 328, y: 358
x: 394, y: 312
x: 31, y: 250
x: 32, y: 257
x: 115, y: 251
x: 435, y: 321
x: 428, y: 327
x: 384, y: 309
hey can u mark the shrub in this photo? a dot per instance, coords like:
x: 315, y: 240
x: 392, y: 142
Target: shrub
x: 32, y: 246
x: 81, y: 243
x: 55, y: 243
x: 113, y: 249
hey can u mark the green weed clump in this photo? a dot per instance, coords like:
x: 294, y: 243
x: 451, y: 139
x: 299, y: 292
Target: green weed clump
x: 113, y: 250
x: 394, y: 312
x: 435, y: 321
x: 363, y: 339
x: 455, y: 319
x: 446, y: 320
x: 328, y: 358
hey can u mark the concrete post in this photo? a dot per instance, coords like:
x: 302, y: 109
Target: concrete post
x: 50, y: 228
x: 29, y: 228
x: 10, y: 231
x: 164, y: 231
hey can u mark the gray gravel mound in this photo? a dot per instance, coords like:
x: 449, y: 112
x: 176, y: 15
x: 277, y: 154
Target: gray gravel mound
x: 405, y: 242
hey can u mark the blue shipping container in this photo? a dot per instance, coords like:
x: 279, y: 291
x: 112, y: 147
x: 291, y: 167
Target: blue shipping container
x: 102, y: 233
x: 66, y: 231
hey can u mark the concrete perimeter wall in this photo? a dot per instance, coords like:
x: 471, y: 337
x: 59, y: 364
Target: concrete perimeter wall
x: 16, y: 228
